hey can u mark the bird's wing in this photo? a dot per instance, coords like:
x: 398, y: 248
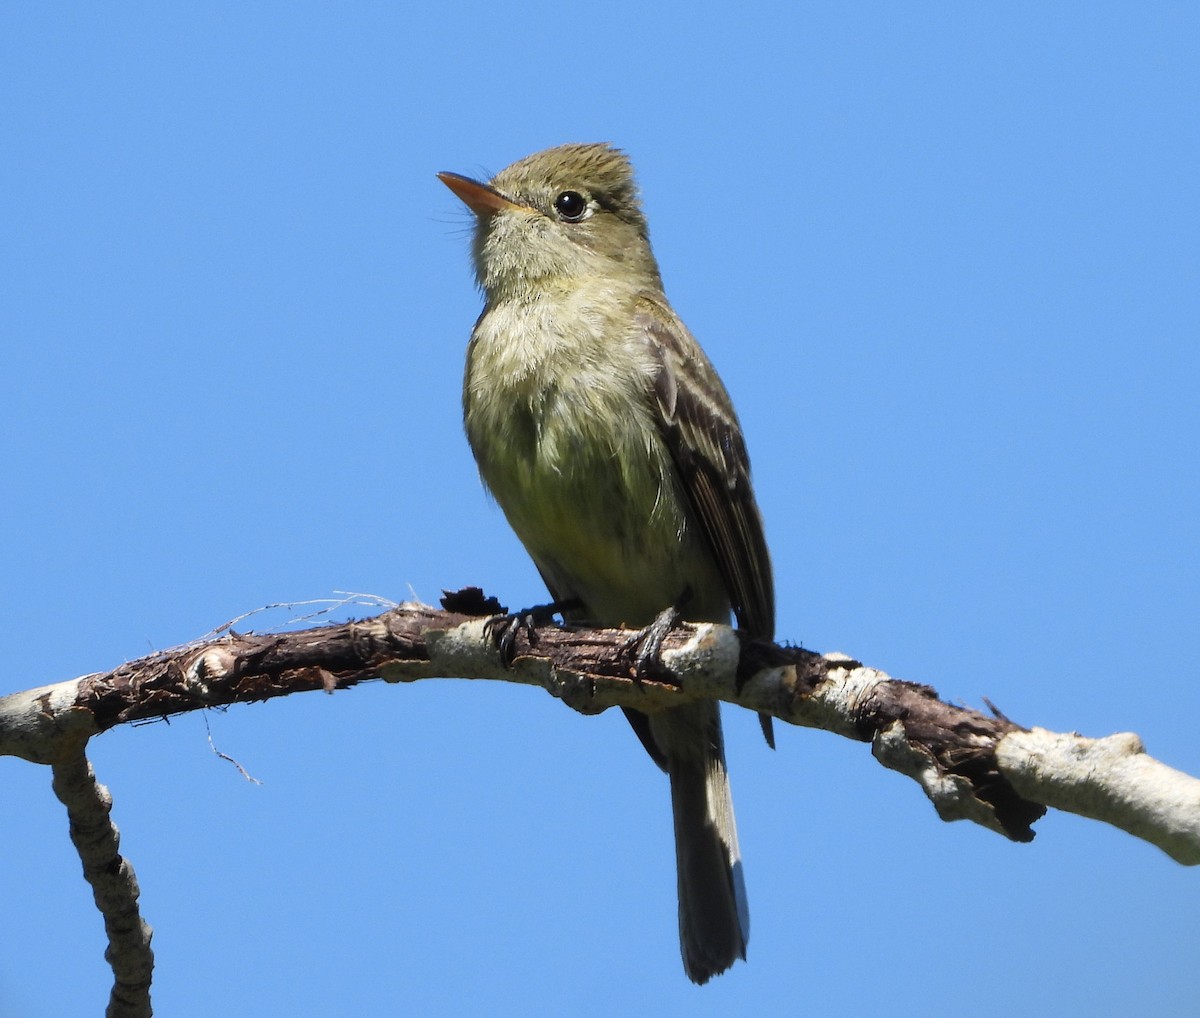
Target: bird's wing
x: 702, y: 432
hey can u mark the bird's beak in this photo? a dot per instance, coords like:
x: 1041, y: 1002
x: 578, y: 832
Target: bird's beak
x: 479, y: 198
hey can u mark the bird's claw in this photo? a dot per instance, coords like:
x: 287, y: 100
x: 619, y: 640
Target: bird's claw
x: 503, y: 629
x: 645, y: 646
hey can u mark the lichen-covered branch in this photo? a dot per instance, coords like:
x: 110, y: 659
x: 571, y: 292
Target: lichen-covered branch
x: 972, y: 765
x: 1110, y: 779
x: 113, y: 883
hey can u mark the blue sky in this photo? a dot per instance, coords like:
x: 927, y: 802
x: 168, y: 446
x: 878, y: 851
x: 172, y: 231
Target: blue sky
x: 945, y: 257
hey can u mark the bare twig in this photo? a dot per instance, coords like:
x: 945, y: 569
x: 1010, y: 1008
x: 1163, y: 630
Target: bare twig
x: 114, y: 885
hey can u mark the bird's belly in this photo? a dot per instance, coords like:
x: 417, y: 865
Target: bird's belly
x: 605, y: 519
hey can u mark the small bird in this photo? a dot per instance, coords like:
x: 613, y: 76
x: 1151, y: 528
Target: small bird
x: 609, y: 441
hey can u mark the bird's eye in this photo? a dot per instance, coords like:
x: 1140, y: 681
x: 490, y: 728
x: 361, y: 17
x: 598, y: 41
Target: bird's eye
x: 571, y: 206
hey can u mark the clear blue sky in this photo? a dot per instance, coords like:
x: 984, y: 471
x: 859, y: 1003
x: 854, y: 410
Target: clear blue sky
x: 946, y: 258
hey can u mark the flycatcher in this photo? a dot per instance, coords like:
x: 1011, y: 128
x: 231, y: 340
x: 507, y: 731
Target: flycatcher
x: 611, y: 445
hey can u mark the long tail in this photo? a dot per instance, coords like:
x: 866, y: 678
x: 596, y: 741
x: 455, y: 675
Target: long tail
x: 714, y: 918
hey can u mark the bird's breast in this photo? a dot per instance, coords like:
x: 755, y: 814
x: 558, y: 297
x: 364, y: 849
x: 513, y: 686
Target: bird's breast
x: 560, y: 414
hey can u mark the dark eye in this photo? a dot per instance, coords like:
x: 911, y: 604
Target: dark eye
x: 571, y: 206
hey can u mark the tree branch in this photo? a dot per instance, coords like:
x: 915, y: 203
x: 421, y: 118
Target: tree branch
x: 971, y: 765
x: 114, y: 885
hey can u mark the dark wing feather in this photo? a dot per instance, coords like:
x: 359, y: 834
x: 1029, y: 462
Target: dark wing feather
x: 705, y: 439
x: 702, y: 432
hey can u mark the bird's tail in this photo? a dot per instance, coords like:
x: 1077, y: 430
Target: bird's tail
x: 714, y: 919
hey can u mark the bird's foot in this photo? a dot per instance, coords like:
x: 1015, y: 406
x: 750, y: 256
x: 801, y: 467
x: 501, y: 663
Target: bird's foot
x: 645, y: 647
x: 503, y: 629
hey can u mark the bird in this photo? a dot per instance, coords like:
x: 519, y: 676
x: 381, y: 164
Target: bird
x: 607, y: 438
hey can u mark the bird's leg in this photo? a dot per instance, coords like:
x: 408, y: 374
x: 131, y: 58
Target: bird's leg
x: 503, y: 629
x: 645, y: 645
